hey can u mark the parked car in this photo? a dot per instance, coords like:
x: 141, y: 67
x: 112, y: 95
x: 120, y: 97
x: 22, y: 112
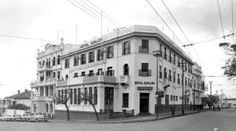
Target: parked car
x: 7, y: 118
x: 26, y: 117
x: 38, y: 117
x: 16, y: 118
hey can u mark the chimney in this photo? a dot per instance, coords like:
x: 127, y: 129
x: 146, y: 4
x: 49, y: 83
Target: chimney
x: 26, y: 90
x: 18, y: 91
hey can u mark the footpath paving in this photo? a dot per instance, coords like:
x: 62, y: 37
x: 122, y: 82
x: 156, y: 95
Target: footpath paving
x: 132, y: 119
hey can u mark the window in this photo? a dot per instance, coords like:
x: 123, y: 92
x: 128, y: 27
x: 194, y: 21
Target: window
x: 174, y: 76
x: 109, y: 51
x: 54, y: 61
x: 76, y: 74
x: 75, y: 96
x: 165, y: 55
x: 170, y: 78
x: 185, y: 81
x: 178, y: 62
x: 71, y: 96
x: 67, y: 63
x: 126, y: 69
x: 79, y: 95
x: 58, y: 59
x: 100, y: 72
x: 178, y: 79
x: 161, y: 49
x: 76, y: 60
x: 91, y: 73
x: 160, y: 72
x: 83, y: 59
x: 59, y: 96
x: 145, y: 46
x: 62, y: 96
x: 144, y: 70
x: 83, y: 73
x: 110, y: 71
x: 174, y: 59
x: 99, y: 54
x: 91, y: 56
x: 170, y: 56
x: 125, y: 103
x: 90, y: 94
x: 126, y: 48
x: 85, y: 95
x: 176, y: 98
x: 165, y: 73
x: 67, y: 77
x: 54, y: 75
x: 95, y: 96
x: 58, y: 75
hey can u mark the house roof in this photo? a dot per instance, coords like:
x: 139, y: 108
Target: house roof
x: 230, y: 99
x: 23, y: 95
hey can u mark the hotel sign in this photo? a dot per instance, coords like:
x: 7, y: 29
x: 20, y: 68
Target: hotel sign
x: 144, y: 83
x: 94, y: 42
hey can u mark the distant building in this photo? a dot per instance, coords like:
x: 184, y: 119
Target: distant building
x: 49, y: 69
x: 229, y: 103
x: 119, y: 73
x: 19, y: 98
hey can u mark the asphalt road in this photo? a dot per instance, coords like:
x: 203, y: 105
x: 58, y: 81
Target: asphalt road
x: 205, y: 121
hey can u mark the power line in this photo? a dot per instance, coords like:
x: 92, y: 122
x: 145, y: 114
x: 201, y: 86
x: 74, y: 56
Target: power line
x: 84, y: 10
x: 213, y: 39
x: 182, y: 32
x: 22, y: 37
x: 218, y: 5
x: 165, y: 23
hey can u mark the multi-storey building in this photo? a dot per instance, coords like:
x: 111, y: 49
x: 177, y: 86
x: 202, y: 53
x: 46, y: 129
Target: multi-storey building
x: 198, y: 84
x: 118, y: 72
x: 48, y: 73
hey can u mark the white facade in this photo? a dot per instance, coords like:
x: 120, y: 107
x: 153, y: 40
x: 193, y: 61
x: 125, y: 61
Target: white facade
x: 140, y: 84
x: 117, y: 72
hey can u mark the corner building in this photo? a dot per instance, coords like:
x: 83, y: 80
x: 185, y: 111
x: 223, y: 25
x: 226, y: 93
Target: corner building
x: 119, y: 73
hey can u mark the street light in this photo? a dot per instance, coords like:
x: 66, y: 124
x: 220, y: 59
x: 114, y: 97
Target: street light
x: 157, y: 54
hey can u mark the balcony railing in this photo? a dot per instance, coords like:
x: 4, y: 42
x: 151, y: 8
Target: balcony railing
x: 45, y: 82
x: 99, y: 78
x: 62, y: 83
x: 41, y: 98
x: 45, y: 68
x: 144, y: 73
x: 143, y: 50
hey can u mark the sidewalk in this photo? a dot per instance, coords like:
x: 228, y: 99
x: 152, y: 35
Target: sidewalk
x: 131, y: 119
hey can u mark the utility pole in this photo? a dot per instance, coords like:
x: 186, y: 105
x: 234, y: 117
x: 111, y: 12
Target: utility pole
x: 157, y: 54
x: 183, y: 97
x: 210, y: 87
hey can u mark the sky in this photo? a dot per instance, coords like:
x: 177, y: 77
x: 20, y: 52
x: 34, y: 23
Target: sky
x: 27, y: 26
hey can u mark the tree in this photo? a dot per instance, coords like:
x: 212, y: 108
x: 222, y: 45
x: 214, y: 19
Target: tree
x: 63, y: 99
x: 210, y: 100
x: 66, y: 96
x: 90, y: 100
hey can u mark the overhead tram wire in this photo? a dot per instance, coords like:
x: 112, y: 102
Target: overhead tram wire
x: 182, y: 32
x: 84, y: 10
x: 222, y: 27
x: 22, y: 37
x: 166, y: 24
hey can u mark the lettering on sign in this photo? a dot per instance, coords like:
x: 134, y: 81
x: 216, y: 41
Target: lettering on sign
x: 144, y: 83
x: 97, y: 41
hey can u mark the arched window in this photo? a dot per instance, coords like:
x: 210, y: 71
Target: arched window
x: 54, y: 61
x: 67, y: 77
x: 126, y: 69
x: 58, y: 59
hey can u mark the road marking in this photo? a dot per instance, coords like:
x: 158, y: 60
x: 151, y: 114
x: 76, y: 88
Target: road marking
x: 215, y: 129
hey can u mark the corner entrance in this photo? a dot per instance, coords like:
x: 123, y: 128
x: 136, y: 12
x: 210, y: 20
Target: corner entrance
x: 144, y: 103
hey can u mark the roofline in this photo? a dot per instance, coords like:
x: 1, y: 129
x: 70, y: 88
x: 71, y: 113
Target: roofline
x: 126, y: 36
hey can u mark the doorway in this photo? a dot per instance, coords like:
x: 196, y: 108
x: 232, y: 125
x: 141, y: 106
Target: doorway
x: 109, y: 97
x: 144, y: 103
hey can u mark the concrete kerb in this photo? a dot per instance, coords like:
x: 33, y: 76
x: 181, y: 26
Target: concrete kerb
x: 143, y: 119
